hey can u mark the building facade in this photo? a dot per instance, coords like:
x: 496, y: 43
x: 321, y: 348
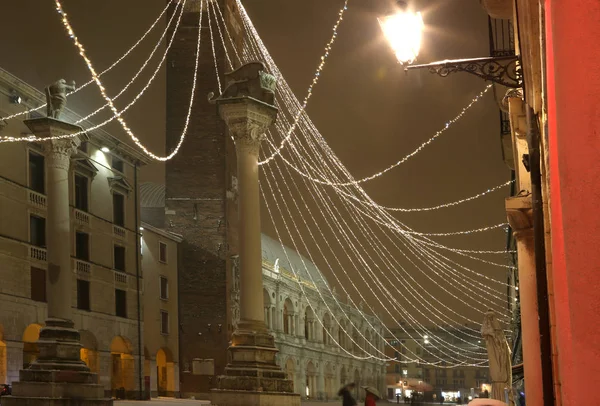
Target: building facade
x: 107, y: 277
x: 159, y: 251
x: 309, y: 325
x: 405, y: 377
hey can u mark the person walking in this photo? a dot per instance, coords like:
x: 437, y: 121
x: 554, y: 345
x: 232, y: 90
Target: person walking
x: 345, y: 393
x: 372, y: 396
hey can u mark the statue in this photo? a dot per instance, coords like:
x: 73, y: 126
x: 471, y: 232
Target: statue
x: 249, y: 80
x: 56, y: 97
x: 499, y: 357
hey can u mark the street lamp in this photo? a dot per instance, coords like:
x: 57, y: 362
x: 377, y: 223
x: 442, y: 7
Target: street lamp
x: 403, y: 29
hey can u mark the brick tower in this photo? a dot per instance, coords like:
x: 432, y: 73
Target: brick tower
x: 200, y: 200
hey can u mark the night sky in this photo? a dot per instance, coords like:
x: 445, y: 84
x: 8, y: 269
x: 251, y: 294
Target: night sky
x: 370, y: 112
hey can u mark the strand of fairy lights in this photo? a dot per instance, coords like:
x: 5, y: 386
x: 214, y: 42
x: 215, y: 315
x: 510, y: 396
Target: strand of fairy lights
x: 212, y: 44
x: 108, y: 99
x: 278, y: 193
x: 332, y: 215
x: 316, y: 76
x: 115, y: 63
x: 127, y: 107
x: 217, y: 8
x: 284, y: 247
x: 140, y: 70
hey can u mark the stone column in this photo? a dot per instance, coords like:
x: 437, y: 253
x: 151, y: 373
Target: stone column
x: 519, y: 214
x: 58, y: 375
x: 247, y: 107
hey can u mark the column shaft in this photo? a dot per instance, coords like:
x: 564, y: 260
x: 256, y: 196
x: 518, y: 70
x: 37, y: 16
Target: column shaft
x: 251, y: 303
x: 58, y: 225
x: 532, y: 361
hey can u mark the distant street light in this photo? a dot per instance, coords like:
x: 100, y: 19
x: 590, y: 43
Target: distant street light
x: 403, y: 29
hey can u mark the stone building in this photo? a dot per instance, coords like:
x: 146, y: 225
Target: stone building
x: 159, y: 251
x: 108, y: 281
x: 405, y: 377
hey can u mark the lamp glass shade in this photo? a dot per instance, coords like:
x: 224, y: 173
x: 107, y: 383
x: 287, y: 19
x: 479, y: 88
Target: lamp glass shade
x: 403, y: 31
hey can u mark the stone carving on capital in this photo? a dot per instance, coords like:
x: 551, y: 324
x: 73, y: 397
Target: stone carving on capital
x: 56, y: 97
x: 249, y: 81
x: 59, y: 152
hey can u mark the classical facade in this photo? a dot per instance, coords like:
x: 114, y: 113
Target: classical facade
x: 107, y: 279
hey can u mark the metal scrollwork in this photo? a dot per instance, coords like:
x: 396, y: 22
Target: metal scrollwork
x: 504, y: 70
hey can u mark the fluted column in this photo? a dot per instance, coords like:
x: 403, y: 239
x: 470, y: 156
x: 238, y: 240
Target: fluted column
x: 59, y: 286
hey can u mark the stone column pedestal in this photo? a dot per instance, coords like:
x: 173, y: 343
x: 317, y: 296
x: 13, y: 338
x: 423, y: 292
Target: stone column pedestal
x: 253, y: 377
x: 58, y: 376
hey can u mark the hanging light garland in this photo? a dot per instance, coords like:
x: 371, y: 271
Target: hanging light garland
x: 115, y: 63
x: 100, y: 86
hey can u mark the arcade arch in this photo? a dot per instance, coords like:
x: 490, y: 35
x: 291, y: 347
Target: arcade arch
x: 165, y: 372
x: 123, y: 365
x: 89, y: 350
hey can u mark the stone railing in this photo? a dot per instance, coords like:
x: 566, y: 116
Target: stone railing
x: 120, y: 277
x: 81, y: 217
x: 37, y: 199
x: 83, y: 267
x: 37, y: 253
x: 119, y: 231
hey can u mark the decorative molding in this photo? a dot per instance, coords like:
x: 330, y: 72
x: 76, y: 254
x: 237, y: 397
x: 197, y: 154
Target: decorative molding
x: 84, y: 165
x: 119, y: 184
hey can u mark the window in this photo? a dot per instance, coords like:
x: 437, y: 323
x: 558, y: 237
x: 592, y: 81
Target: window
x: 81, y: 192
x: 162, y: 252
x: 36, y: 172
x: 38, y: 284
x: 396, y: 355
x: 119, y: 258
x: 120, y: 303
x: 37, y: 231
x: 119, y: 209
x: 83, y: 294
x: 82, y: 246
x: 117, y: 164
x: 405, y: 372
x: 397, y: 369
x: 164, y: 322
x: 164, y: 288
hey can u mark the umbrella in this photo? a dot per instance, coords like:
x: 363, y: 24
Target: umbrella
x: 372, y: 390
x: 499, y: 357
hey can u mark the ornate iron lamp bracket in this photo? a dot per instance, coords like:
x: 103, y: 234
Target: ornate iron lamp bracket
x: 504, y: 70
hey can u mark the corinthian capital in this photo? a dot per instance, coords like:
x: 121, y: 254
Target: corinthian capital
x: 247, y: 120
x: 58, y: 152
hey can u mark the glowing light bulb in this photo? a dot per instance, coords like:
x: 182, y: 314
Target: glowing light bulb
x: 403, y: 31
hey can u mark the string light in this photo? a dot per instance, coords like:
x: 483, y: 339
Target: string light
x: 135, y: 99
x: 115, y: 63
x: 234, y: 48
x: 315, y: 79
x: 217, y: 8
x: 108, y: 99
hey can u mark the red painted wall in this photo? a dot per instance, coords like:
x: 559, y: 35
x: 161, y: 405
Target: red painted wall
x: 573, y: 68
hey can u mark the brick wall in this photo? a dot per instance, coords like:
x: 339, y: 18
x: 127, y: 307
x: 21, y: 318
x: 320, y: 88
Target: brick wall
x: 197, y: 181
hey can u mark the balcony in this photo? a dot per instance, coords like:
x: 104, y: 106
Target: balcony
x: 119, y: 231
x: 82, y: 217
x: 37, y: 253
x: 83, y: 267
x: 120, y: 277
x: 37, y: 199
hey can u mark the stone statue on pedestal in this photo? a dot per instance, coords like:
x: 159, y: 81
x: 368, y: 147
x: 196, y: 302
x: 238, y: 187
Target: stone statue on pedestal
x: 56, y: 97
